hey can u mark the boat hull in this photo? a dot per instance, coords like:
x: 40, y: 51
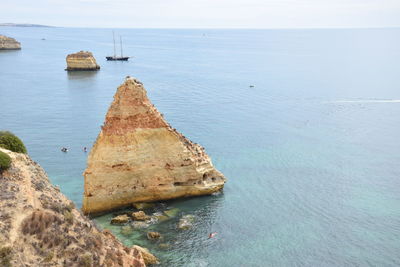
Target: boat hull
x: 117, y: 58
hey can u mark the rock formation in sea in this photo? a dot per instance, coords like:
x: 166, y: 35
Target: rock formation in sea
x: 8, y: 43
x: 139, y: 157
x: 39, y: 226
x: 82, y: 60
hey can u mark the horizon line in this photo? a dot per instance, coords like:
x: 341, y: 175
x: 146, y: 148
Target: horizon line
x: 34, y: 25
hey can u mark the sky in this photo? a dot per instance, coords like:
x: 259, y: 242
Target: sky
x: 204, y: 13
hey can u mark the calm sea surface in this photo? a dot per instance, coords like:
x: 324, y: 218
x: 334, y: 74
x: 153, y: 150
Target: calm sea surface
x: 311, y: 152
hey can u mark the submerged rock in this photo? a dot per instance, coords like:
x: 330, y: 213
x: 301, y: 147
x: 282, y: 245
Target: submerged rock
x: 147, y: 256
x: 39, y: 226
x: 140, y: 224
x: 140, y: 216
x: 139, y: 157
x: 126, y: 230
x: 160, y: 217
x: 153, y: 235
x: 164, y: 246
x: 8, y: 43
x: 82, y: 60
x: 120, y: 219
x: 171, y: 212
x: 186, y: 222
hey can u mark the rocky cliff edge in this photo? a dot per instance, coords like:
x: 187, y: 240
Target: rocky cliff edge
x: 39, y: 226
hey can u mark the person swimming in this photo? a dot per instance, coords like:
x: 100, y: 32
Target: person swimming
x: 84, y: 149
x: 211, y: 235
x: 64, y: 149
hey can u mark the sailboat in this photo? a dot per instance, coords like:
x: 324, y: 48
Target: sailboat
x: 115, y: 57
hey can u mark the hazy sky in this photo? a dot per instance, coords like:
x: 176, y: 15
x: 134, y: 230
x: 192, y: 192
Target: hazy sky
x: 203, y: 13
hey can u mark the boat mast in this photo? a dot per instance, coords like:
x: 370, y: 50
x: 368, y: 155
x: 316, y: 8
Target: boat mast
x: 120, y: 39
x: 115, y: 53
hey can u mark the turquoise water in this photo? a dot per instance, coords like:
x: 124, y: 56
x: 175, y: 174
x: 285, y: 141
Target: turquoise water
x: 311, y: 153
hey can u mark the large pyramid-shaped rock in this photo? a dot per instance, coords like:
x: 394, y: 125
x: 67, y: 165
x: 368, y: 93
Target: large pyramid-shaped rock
x: 138, y: 157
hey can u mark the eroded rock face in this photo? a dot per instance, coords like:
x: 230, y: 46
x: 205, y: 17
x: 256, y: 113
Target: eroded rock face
x: 8, y: 43
x: 139, y: 157
x: 39, y: 226
x: 82, y: 60
x: 140, y: 216
x: 147, y: 256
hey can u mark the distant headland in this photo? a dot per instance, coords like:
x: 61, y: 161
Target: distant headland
x: 24, y: 25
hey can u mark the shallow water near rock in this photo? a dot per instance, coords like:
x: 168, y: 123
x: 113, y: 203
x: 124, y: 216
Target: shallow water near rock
x: 310, y: 152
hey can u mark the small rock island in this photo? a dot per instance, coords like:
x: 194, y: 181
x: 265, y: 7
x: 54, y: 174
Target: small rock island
x: 82, y: 60
x: 139, y: 157
x: 8, y: 43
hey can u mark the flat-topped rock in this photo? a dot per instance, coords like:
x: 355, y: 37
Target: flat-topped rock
x: 82, y: 60
x: 8, y: 43
x: 139, y: 157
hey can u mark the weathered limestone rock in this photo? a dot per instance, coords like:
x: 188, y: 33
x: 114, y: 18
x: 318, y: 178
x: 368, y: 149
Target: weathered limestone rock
x: 120, y: 219
x: 8, y: 43
x: 153, y: 235
x: 82, y: 60
x: 39, y: 226
x: 139, y: 157
x: 147, y: 256
x: 140, y: 216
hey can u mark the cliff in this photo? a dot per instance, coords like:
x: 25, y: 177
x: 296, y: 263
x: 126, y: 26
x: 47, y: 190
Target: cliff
x: 139, y: 157
x: 82, y: 60
x: 7, y: 43
x: 39, y: 226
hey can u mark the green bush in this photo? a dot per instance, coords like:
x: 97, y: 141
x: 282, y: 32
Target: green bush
x: 5, y: 161
x: 11, y: 142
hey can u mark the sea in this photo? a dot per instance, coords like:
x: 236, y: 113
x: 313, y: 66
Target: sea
x: 304, y: 123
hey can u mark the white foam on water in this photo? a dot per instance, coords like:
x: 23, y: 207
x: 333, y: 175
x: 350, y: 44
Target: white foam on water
x: 366, y: 101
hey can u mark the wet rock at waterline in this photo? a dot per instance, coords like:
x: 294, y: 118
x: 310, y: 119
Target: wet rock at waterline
x: 81, y: 61
x: 8, y: 43
x: 186, y: 222
x: 120, y: 219
x: 153, y: 235
x: 140, y: 216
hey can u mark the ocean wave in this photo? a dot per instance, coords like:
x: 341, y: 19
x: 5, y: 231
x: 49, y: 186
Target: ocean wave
x: 366, y: 101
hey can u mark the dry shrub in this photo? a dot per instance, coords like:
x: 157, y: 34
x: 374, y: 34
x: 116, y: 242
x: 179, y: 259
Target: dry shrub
x: 94, y: 241
x: 49, y: 257
x: 5, y: 256
x: 45, y: 226
x: 86, y: 260
x: 69, y: 217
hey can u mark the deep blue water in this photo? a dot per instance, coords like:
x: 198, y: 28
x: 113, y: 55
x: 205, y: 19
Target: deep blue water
x: 311, y: 153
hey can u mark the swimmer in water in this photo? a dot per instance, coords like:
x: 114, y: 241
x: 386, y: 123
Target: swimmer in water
x: 211, y: 235
x: 84, y: 149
